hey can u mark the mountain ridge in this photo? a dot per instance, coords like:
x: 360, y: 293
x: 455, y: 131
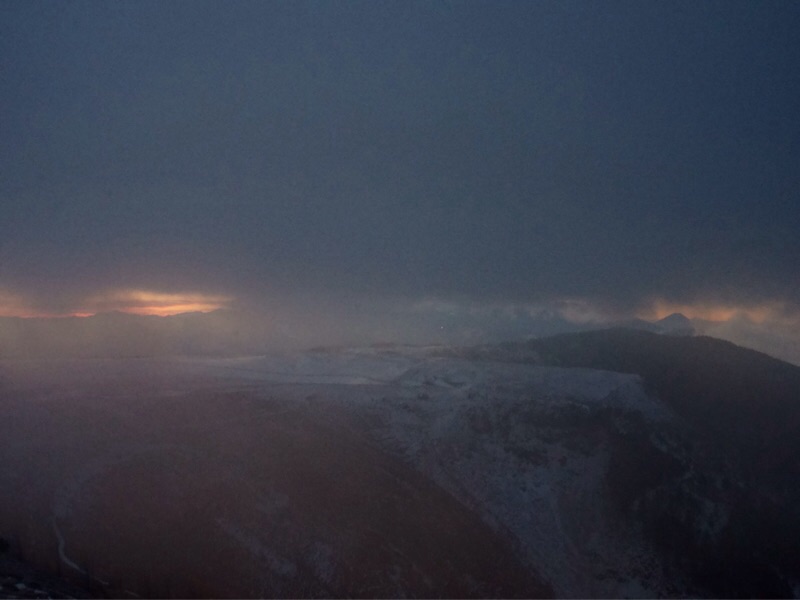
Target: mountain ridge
x: 742, y: 408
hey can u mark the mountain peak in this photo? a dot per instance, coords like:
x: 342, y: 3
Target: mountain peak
x: 675, y: 324
x: 675, y: 317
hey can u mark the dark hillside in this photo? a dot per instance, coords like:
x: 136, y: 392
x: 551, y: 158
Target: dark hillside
x: 742, y: 409
x: 747, y: 401
x: 20, y: 579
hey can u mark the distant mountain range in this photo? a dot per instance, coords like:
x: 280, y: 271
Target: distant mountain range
x: 238, y: 332
x: 217, y: 333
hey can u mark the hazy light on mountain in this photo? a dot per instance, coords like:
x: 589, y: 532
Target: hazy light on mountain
x: 720, y: 312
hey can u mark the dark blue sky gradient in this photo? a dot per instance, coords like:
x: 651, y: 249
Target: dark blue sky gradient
x: 516, y: 151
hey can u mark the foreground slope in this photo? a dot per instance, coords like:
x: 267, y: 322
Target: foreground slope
x: 613, y: 471
x: 159, y: 479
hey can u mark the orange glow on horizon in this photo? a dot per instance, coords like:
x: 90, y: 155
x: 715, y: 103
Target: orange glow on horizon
x: 713, y: 312
x: 47, y: 315
x: 12, y: 305
x: 131, y: 301
x: 146, y: 302
x: 171, y: 309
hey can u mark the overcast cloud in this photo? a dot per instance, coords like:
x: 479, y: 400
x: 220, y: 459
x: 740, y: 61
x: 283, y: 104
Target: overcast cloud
x: 375, y: 153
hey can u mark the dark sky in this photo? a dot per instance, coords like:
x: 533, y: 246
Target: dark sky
x: 489, y: 152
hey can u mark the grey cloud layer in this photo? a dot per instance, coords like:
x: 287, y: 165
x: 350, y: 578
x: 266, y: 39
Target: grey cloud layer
x: 514, y: 151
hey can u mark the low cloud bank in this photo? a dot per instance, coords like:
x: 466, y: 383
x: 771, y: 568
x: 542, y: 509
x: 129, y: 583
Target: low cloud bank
x: 289, y: 325
x: 118, y: 335
x: 298, y: 323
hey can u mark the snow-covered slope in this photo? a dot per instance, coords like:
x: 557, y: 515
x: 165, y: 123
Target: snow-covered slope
x: 528, y: 447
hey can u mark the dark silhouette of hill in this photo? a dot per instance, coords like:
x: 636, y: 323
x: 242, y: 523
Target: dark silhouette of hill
x: 742, y: 414
x: 20, y: 579
x: 747, y: 401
